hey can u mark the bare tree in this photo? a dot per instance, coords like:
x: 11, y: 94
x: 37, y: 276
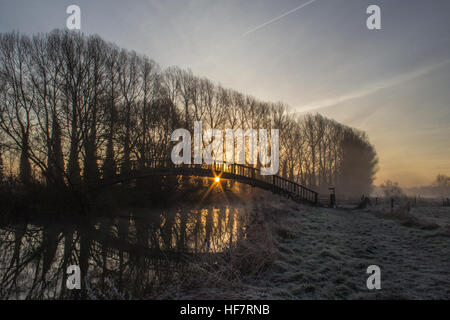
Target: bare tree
x: 111, y: 64
x: 129, y: 91
x: 17, y: 98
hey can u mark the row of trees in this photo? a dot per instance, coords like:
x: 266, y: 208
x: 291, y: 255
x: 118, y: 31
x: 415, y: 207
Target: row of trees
x: 74, y: 109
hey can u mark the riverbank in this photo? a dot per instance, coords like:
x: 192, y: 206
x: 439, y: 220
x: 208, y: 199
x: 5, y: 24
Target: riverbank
x: 40, y: 201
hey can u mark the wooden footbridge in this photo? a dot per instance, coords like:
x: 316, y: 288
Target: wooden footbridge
x: 237, y: 172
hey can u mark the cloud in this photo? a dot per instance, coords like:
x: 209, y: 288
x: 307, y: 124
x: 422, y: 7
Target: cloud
x: 374, y: 87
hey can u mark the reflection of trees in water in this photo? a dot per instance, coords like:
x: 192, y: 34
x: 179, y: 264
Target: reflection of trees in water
x: 137, y: 253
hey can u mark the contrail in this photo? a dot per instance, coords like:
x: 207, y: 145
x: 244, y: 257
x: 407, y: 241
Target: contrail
x: 277, y: 18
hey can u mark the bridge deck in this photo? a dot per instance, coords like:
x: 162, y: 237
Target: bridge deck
x: 238, y: 172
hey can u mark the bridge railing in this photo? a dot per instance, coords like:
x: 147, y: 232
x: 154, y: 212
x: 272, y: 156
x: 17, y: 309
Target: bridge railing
x: 235, y: 171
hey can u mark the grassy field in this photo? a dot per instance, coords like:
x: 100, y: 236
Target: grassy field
x: 301, y: 252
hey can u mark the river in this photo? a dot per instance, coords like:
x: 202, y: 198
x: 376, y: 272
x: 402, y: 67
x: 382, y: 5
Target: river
x: 126, y: 254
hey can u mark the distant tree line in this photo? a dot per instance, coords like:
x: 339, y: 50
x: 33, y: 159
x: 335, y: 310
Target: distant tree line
x: 75, y: 109
x: 439, y: 188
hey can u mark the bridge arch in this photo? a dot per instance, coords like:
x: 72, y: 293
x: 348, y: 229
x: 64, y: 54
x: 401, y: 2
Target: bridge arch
x: 236, y: 172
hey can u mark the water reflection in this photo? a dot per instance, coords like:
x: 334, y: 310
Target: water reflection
x: 131, y: 254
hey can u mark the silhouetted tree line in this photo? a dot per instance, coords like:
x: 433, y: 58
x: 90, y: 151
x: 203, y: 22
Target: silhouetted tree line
x: 75, y: 109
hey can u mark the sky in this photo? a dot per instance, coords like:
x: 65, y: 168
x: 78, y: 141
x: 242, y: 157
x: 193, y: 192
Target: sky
x: 315, y: 55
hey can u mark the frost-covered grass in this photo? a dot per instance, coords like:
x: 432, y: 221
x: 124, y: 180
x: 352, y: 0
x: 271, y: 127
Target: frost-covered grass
x: 318, y: 253
x: 438, y: 215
